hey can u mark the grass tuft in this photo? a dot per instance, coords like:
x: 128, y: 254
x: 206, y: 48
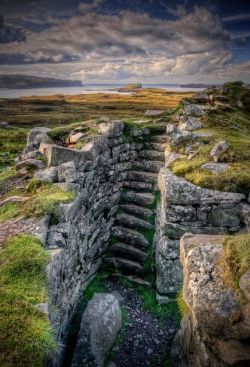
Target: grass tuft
x: 8, y: 211
x: 26, y: 337
x: 237, y: 253
x: 182, y: 305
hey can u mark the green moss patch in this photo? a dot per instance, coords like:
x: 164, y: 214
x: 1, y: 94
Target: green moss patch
x: 8, y: 211
x: 26, y: 337
x: 234, y: 127
x: 45, y: 200
x: 12, y: 142
x: 182, y: 305
x: 237, y: 253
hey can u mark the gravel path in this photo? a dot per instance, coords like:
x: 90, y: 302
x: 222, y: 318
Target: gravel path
x: 144, y: 339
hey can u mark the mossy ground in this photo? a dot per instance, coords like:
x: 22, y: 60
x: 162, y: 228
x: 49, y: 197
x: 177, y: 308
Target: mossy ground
x: 44, y: 199
x: 237, y: 255
x: 26, y: 338
x: 234, y: 127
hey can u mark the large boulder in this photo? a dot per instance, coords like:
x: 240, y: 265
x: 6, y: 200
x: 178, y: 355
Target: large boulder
x: 37, y: 136
x: 100, y: 324
x: 216, y: 326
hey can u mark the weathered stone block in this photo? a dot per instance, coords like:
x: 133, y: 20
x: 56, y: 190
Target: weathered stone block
x: 100, y: 324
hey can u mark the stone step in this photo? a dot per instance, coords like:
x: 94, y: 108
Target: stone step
x: 124, y: 264
x: 130, y: 236
x: 137, y: 185
x: 142, y: 176
x: 134, y: 279
x: 129, y: 252
x: 141, y: 198
x: 155, y: 146
x: 130, y: 221
x: 153, y: 155
x: 146, y: 165
x: 139, y: 211
x: 159, y: 138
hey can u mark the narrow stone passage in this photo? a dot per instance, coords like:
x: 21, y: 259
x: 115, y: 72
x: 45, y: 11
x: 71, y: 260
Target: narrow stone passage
x: 132, y: 234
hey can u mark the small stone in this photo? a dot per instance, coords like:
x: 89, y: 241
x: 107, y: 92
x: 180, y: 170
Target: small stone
x: 150, y: 351
x: 218, y: 150
x: 215, y: 167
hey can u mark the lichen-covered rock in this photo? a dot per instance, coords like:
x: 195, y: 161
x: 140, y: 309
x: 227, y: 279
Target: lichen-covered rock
x: 171, y: 157
x: 111, y: 129
x: 178, y: 191
x: 37, y: 136
x: 47, y: 175
x: 193, y: 109
x: 215, y: 167
x: 218, y: 150
x: 29, y: 165
x: 67, y: 172
x: 100, y: 324
x: 190, y: 123
x: 177, y: 137
x: 216, y: 327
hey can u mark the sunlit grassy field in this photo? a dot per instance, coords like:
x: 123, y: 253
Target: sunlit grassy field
x: 63, y: 109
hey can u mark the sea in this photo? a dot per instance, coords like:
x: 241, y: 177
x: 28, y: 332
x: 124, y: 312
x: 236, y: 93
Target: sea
x: 86, y: 89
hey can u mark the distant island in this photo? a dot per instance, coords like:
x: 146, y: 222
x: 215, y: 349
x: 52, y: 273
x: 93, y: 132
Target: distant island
x: 130, y: 87
x: 19, y: 81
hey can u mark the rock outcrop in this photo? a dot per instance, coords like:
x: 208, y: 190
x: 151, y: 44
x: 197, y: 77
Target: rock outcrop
x: 185, y: 207
x: 215, y: 330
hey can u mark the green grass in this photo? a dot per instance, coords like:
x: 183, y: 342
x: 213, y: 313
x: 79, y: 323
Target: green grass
x: 96, y: 286
x: 182, y: 305
x: 237, y: 254
x: 26, y: 337
x: 12, y: 142
x: 8, y: 211
x: 149, y: 302
x: 45, y: 200
x: 233, y: 127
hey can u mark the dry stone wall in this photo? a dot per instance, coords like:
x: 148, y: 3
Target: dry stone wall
x: 81, y: 235
x: 185, y: 207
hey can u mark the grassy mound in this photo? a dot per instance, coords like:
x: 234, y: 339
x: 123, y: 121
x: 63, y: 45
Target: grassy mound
x: 26, y: 337
x: 234, y: 127
x: 44, y: 199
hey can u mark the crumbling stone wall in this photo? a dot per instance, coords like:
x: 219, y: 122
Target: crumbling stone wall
x: 185, y: 207
x: 80, y: 238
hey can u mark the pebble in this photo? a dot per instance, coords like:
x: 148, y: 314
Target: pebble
x: 150, y: 351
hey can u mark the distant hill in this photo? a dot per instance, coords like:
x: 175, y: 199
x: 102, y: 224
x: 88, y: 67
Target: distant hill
x: 18, y: 81
x: 196, y: 85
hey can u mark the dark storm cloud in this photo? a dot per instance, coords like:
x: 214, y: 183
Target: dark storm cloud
x: 9, y: 34
x: 99, y: 40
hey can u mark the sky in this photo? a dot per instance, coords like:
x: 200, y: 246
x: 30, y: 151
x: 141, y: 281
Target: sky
x: 118, y: 41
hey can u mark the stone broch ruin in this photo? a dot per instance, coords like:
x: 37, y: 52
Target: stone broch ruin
x: 124, y: 191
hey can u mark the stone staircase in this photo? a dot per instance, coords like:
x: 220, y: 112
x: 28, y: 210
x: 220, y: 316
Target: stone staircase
x: 134, y: 227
